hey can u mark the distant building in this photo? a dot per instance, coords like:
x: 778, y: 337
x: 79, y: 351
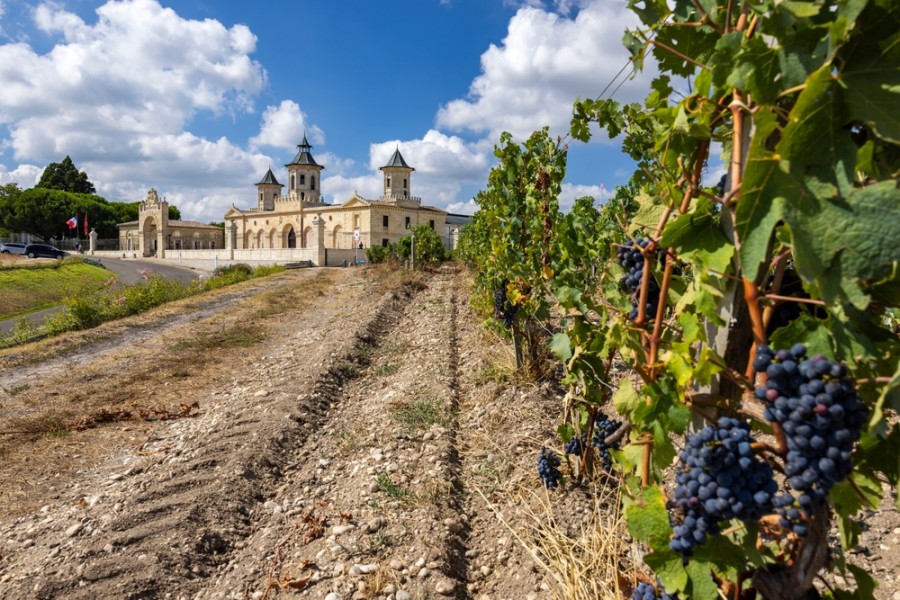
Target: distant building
x: 286, y: 220
x: 154, y: 231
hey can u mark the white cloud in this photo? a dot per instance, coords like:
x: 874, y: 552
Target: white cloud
x: 284, y: 126
x: 469, y: 207
x: 23, y: 175
x: 444, y: 164
x: 118, y: 95
x: 570, y: 193
x: 544, y: 63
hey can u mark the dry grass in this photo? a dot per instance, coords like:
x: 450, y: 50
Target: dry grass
x: 590, y: 563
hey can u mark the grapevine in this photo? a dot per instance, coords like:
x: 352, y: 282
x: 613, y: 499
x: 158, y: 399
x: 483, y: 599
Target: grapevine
x: 732, y: 448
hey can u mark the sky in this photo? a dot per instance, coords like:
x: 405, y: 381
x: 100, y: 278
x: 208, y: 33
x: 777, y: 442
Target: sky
x: 198, y: 98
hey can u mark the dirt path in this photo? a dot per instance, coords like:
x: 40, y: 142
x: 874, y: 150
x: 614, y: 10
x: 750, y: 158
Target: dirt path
x: 324, y: 455
x: 326, y: 434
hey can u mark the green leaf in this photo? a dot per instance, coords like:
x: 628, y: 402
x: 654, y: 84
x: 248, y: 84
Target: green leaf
x: 647, y: 518
x: 815, y: 143
x: 702, y: 585
x: 805, y: 329
x: 865, y: 586
x: 669, y: 567
x: 626, y: 399
x: 647, y: 215
x: 763, y: 194
x: 680, y: 368
x: 800, y: 8
x: 871, y: 77
x: 696, y: 237
x: 847, y: 503
x: 722, y: 555
x: 561, y: 347
x: 838, y: 241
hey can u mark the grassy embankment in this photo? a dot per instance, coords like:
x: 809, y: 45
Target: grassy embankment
x: 36, y: 286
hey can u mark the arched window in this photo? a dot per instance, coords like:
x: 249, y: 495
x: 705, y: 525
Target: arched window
x: 292, y: 183
x: 312, y: 182
x: 302, y: 179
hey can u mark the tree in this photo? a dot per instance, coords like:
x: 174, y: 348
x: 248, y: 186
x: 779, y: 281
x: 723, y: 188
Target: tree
x: 65, y: 176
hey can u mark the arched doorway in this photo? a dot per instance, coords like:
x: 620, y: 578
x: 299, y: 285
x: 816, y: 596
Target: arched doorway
x: 336, y: 236
x: 149, y: 233
x: 291, y: 238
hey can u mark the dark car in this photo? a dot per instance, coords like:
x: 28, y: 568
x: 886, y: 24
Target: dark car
x: 46, y: 250
x: 12, y: 248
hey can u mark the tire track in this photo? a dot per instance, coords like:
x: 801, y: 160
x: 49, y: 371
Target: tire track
x: 202, y: 495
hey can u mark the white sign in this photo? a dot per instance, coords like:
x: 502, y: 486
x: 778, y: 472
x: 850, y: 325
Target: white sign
x: 356, y: 235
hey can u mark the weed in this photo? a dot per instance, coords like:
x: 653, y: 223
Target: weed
x: 379, y: 540
x: 350, y: 441
x: 240, y: 336
x: 421, y: 414
x: 387, y: 485
x: 386, y: 369
x: 16, y: 389
x: 54, y: 427
x: 347, y: 370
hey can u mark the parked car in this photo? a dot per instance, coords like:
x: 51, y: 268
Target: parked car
x: 46, y: 250
x: 12, y: 248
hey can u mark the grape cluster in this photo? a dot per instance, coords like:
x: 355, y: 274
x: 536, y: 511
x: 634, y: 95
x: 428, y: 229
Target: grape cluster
x: 548, y: 468
x: 575, y: 446
x: 720, y: 478
x: 645, y: 591
x: 821, y: 415
x: 504, y: 310
x: 603, y: 428
x: 631, y: 258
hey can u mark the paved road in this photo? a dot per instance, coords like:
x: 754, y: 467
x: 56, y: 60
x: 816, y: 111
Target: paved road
x: 129, y: 271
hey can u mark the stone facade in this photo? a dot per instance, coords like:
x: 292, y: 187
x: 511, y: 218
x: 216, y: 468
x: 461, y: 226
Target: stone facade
x: 286, y: 221
x: 154, y: 233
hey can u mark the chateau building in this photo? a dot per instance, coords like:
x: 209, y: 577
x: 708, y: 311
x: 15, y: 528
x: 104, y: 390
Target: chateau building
x: 154, y: 232
x: 286, y: 220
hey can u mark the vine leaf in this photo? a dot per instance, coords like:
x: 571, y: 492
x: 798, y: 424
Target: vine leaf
x: 865, y: 585
x: 561, y: 347
x: 648, y: 519
x: 696, y: 237
x: 890, y: 396
x: 763, y: 194
x: 702, y: 585
x: 626, y: 399
x: 872, y: 75
x: 669, y: 567
x: 838, y: 242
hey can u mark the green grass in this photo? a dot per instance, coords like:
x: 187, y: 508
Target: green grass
x: 241, y: 336
x: 43, y: 285
x: 421, y: 414
x: 87, y: 307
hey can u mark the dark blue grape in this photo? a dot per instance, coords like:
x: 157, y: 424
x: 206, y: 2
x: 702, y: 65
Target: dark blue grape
x: 821, y: 419
x: 719, y: 479
x: 548, y: 468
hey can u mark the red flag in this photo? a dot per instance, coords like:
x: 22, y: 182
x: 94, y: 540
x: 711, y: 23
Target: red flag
x: 73, y: 222
x: 85, y: 225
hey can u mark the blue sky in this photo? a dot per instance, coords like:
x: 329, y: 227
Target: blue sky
x: 197, y: 98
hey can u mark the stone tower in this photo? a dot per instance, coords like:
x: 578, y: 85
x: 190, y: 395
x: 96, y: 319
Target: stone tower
x: 153, y: 224
x: 268, y: 189
x: 303, y: 175
x: 397, y: 177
